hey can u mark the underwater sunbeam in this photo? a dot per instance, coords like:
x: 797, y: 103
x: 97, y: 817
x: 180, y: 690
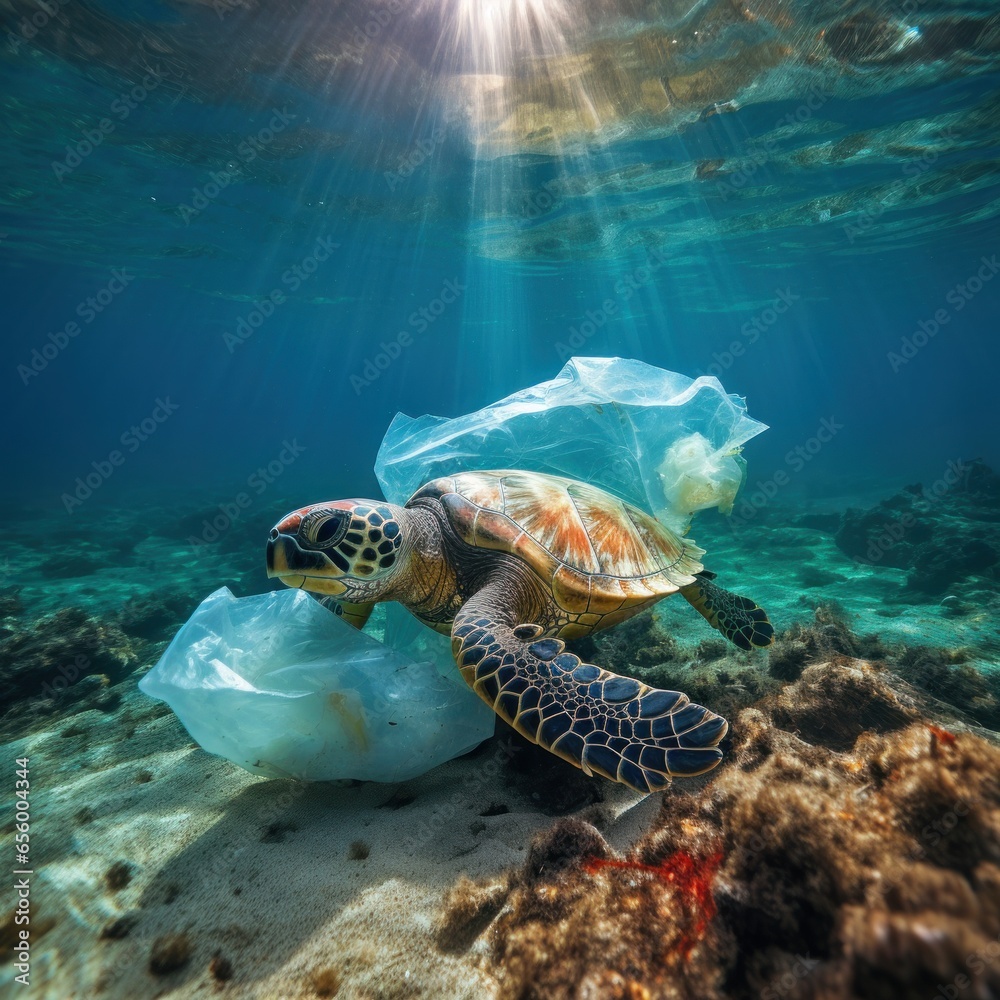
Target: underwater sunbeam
x: 495, y: 33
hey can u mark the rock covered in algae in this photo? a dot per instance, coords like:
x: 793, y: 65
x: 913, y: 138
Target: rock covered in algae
x: 858, y: 859
x: 942, y: 533
x: 61, y: 660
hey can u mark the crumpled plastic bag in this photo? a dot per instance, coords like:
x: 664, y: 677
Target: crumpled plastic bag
x: 281, y: 686
x: 663, y: 441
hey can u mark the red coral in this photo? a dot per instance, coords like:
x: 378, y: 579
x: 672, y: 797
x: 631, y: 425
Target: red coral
x: 941, y: 736
x: 691, y: 876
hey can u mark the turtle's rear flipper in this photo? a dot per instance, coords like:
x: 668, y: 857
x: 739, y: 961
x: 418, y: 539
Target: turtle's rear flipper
x: 597, y: 720
x: 739, y: 619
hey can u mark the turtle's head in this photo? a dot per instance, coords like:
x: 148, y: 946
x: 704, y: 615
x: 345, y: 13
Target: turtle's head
x: 350, y: 549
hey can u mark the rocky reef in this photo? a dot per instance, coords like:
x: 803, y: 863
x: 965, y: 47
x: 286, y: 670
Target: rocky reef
x: 946, y: 678
x: 940, y: 533
x: 72, y: 660
x: 47, y: 658
x: 849, y: 847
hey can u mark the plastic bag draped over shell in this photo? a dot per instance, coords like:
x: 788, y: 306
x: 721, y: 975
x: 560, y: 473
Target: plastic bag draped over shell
x: 663, y: 441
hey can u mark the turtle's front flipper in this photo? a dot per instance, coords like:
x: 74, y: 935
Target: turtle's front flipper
x: 355, y: 614
x: 739, y: 619
x: 597, y: 720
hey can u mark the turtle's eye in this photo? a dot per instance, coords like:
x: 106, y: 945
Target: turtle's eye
x: 331, y: 530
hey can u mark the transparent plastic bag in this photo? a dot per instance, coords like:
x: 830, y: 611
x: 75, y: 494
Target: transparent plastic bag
x: 666, y: 442
x: 281, y: 686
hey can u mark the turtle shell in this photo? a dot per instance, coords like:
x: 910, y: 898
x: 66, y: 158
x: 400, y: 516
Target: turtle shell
x: 598, y: 553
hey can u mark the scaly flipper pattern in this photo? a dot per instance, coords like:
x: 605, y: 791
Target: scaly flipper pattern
x: 739, y: 619
x: 599, y: 721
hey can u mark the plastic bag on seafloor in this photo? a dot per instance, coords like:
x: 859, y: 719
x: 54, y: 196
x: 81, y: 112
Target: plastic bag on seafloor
x: 281, y: 686
x: 663, y: 441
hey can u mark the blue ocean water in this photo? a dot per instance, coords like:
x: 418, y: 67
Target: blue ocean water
x: 793, y: 243
x: 237, y: 238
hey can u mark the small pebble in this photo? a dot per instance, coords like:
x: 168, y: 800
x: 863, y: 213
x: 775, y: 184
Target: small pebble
x: 358, y: 850
x: 170, y: 952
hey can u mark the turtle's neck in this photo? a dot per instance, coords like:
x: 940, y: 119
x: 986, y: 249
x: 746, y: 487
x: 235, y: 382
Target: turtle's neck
x: 428, y: 585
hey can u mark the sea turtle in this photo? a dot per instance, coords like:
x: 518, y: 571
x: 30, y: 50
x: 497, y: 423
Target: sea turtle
x: 511, y: 563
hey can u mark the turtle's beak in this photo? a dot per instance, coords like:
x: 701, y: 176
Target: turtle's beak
x: 277, y: 557
x: 296, y: 567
